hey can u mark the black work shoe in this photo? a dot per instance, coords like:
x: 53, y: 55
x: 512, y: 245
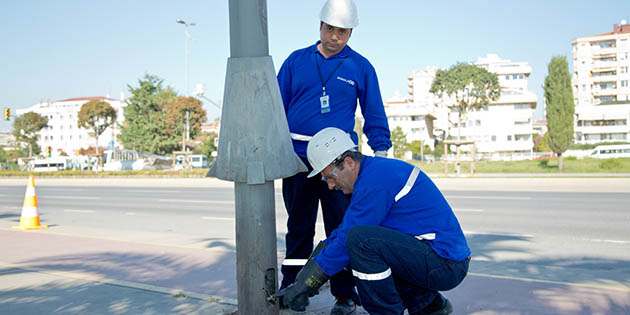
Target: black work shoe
x: 439, y: 306
x: 343, y: 306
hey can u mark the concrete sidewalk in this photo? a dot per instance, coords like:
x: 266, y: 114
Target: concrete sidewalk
x: 45, y: 272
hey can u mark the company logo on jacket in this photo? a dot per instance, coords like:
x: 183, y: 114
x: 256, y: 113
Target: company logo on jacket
x: 346, y: 80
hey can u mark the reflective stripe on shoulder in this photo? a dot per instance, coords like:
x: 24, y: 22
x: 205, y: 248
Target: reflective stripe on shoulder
x: 294, y: 262
x: 297, y: 136
x: 372, y: 276
x: 410, y: 181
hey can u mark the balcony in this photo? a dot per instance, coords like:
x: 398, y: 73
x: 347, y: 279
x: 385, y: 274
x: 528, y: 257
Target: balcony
x: 604, y: 78
x: 602, y: 66
x: 601, y: 92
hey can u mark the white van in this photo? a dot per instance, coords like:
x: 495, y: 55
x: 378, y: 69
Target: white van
x: 611, y: 151
x: 51, y: 164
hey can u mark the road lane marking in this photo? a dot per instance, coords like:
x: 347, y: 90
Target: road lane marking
x: 197, y: 201
x: 78, y: 211
x: 218, y: 218
x: 467, y: 210
x: 72, y: 197
x: 152, y: 191
x: 606, y: 241
x: 499, y: 234
x: 488, y: 197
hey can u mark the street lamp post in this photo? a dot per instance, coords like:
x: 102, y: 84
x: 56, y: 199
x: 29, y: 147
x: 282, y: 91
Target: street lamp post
x: 186, y: 24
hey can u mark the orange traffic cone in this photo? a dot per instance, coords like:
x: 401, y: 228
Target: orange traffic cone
x: 30, y: 216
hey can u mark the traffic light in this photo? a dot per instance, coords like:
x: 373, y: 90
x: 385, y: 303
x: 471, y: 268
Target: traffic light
x: 7, y: 113
x: 48, y: 151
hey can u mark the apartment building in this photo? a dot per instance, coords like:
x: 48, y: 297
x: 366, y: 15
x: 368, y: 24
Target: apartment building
x: 63, y: 134
x: 416, y: 121
x: 501, y: 131
x: 600, y: 86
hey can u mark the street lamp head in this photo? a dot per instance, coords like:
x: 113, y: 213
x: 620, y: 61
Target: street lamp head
x: 180, y: 21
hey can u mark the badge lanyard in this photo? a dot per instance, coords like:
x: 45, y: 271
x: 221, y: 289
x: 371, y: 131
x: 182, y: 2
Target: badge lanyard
x: 324, y: 101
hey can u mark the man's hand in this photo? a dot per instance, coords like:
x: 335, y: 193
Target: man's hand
x: 307, y: 283
x: 381, y: 153
x: 294, y: 296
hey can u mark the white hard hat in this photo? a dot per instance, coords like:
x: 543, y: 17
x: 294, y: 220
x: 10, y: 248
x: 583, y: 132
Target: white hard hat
x: 340, y: 13
x: 325, y: 146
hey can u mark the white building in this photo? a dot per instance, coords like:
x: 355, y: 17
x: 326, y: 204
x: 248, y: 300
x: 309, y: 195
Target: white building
x: 502, y: 130
x: 600, y: 86
x: 415, y: 120
x: 62, y: 133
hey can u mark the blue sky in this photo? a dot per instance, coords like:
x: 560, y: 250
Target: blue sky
x: 64, y: 49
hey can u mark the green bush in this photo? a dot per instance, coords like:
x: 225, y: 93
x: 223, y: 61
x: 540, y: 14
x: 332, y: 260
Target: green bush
x: 570, y: 158
x: 610, y: 164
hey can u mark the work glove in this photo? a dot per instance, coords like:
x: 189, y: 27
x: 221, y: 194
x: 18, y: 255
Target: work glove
x: 307, y: 283
x: 381, y: 153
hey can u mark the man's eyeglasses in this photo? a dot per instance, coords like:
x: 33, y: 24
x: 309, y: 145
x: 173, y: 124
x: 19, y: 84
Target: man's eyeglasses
x: 333, y: 173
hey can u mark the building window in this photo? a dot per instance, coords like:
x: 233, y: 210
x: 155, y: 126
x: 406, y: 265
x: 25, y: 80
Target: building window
x: 51, y: 137
x: 507, y: 77
x: 624, y: 70
x: 624, y: 83
x: 509, y: 138
x: 515, y: 76
x: 494, y: 138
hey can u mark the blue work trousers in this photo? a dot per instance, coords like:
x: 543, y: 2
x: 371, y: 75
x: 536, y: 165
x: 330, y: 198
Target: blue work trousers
x: 301, y: 198
x: 395, y: 271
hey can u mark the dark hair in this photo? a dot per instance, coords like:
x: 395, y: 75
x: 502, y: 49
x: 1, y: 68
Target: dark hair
x: 355, y: 155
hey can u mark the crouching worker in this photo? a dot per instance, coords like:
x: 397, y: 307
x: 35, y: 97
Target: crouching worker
x: 399, y: 235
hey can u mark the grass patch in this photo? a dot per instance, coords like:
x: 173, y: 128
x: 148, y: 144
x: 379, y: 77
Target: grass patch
x: 194, y: 173
x: 571, y: 165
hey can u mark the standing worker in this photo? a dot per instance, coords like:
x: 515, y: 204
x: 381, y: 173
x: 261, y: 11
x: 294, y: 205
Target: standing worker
x: 320, y: 86
x: 399, y: 235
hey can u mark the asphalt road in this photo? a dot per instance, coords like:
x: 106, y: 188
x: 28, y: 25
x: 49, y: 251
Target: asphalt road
x: 572, y: 231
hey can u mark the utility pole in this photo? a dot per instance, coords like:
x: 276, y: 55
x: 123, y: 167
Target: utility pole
x: 253, y: 152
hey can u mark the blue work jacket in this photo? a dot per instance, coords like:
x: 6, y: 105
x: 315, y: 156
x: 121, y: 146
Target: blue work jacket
x: 350, y: 77
x: 423, y: 210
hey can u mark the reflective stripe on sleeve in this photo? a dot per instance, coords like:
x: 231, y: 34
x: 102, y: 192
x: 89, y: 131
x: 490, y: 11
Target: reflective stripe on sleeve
x: 297, y: 136
x: 428, y: 236
x: 410, y: 181
x: 294, y: 262
x: 372, y: 276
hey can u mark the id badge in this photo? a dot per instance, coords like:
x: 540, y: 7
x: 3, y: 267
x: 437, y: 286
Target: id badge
x: 324, y: 101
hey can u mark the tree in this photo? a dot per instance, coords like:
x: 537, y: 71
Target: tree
x: 560, y: 106
x: 96, y: 115
x: 175, y: 118
x: 145, y: 127
x: 467, y: 87
x: 206, y: 147
x: 25, y: 129
x: 541, y: 143
x: 399, y: 142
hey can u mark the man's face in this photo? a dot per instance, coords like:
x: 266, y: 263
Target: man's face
x: 341, y: 179
x: 333, y: 38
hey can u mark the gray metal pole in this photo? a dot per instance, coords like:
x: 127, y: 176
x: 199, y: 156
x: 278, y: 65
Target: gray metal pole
x: 248, y: 28
x: 252, y: 92
x: 256, y: 258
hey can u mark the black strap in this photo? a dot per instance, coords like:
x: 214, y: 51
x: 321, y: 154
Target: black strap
x: 319, y: 71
